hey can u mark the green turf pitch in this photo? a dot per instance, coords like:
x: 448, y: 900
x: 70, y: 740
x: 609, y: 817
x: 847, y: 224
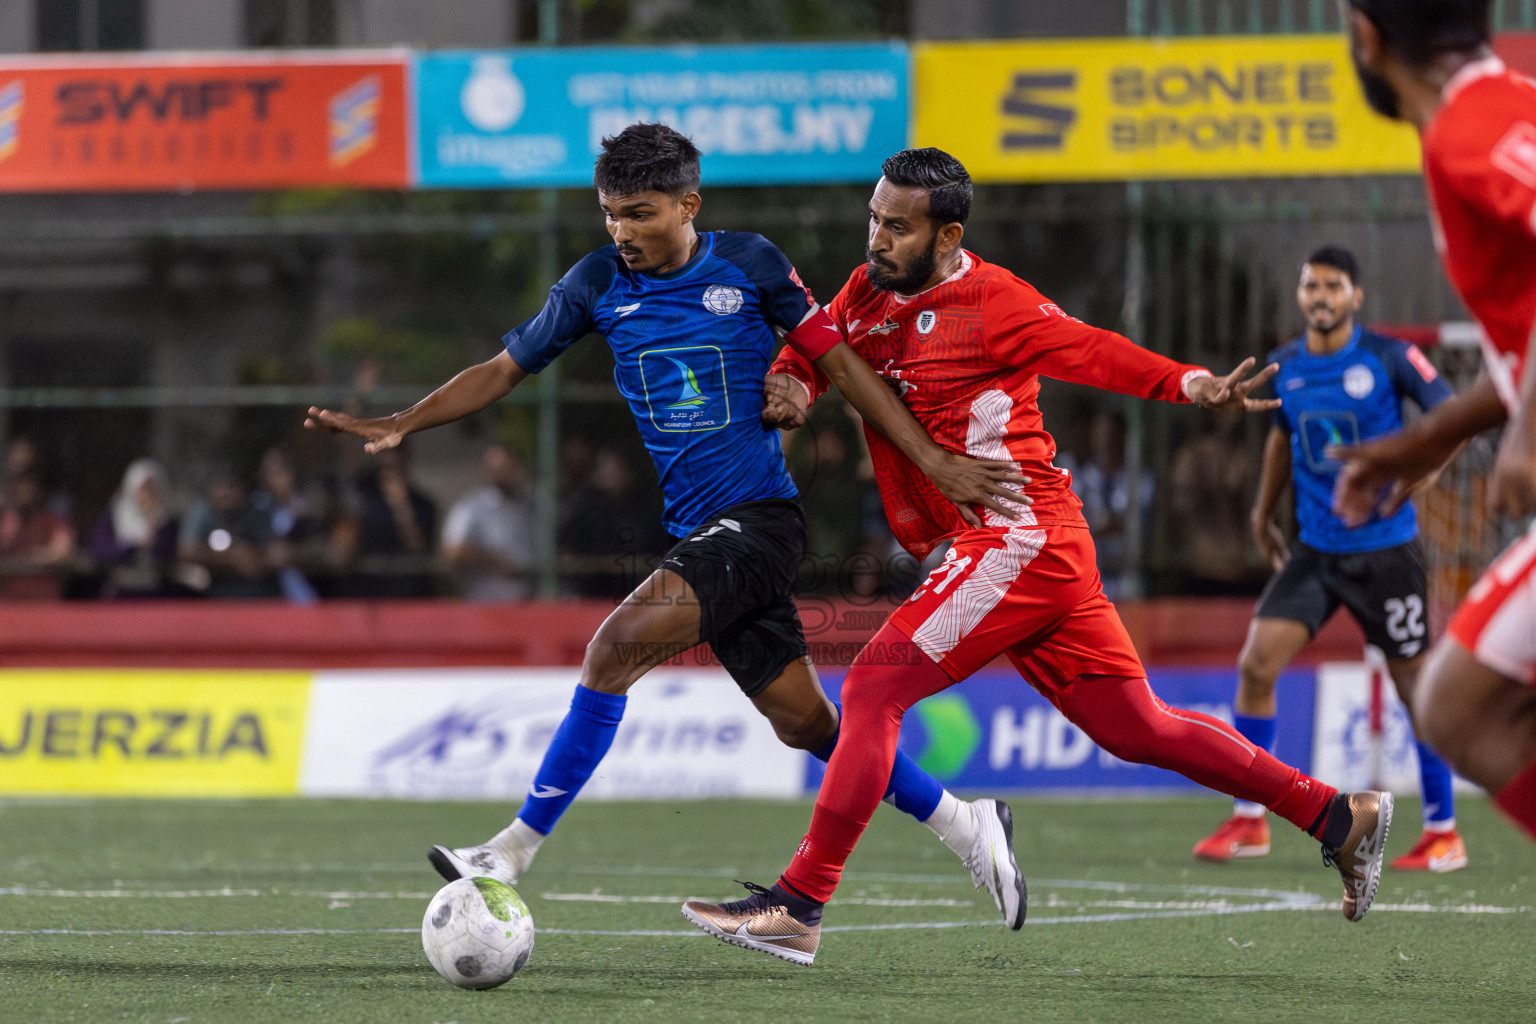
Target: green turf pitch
x: 192, y: 912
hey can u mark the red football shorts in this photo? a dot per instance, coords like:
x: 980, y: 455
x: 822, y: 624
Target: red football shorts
x: 1032, y: 593
x: 1497, y: 621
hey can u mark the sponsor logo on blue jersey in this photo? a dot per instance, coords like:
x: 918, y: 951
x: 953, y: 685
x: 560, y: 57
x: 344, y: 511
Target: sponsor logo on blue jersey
x: 685, y: 388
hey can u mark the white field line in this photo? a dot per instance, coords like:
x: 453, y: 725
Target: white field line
x: 1219, y: 901
x: 558, y: 897
x: 1152, y: 915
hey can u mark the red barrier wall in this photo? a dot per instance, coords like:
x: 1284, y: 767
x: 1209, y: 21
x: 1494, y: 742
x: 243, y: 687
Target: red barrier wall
x: 415, y: 634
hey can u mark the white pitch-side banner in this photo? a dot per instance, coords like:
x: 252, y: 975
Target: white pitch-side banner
x: 1344, y: 754
x: 481, y: 733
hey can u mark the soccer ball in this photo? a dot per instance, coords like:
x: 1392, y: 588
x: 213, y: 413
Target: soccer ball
x: 477, y: 932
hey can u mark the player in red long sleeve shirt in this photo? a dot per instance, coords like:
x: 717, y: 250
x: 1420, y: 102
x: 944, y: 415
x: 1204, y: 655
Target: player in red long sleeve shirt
x: 1429, y: 62
x: 964, y: 343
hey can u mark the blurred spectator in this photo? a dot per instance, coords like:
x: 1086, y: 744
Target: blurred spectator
x: 577, y: 454
x: 134, y: 540
x: 489, y: 532
x: 1213, y: 474
x: 36, y: 543
x: 23, y: 455
x: 1103, y: 485
x: 387, y: 542
x: 228, y: 535
x: 610, y: 531
x: 295, y: 517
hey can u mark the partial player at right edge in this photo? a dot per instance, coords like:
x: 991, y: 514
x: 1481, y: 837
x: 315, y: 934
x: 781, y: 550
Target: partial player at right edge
x: 1429, y: 62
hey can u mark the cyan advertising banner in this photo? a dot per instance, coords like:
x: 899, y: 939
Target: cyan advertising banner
x: 994, y: 732
x: 761, y: 115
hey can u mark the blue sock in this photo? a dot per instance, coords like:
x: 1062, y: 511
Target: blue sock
x: 1435, y: 780
x: 1261, y: 733
x: 579, y: 744
x: 911, y: 789
x: 1258, y: 731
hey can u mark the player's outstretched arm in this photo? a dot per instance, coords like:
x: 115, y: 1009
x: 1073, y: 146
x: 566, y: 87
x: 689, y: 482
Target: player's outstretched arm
x: 1232, y: 393
x: 964, y: 481
x: 467, y: 393
x: 1389, y: 469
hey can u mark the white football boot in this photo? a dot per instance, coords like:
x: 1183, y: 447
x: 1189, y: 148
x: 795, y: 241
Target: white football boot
x: 472, y: 862
x: 992, y: 863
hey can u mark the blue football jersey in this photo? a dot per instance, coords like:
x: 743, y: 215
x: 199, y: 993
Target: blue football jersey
x: 1343, y: 398
x: 690, y: 349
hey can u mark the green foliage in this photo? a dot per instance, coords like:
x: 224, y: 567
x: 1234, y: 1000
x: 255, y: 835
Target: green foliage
x: 756, y: 20
x: 412, y: 356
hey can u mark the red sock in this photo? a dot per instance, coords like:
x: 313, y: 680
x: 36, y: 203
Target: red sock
x: 1518, y: 799
x: 1299, y: 799
x: 1127, y: 719
x: 875, y: 696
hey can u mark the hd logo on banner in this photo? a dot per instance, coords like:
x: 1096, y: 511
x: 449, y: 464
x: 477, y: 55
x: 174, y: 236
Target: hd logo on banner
x: 86, y: 124
x: 760, y: 114
x: 1126, y: 109
x: 994, y: 732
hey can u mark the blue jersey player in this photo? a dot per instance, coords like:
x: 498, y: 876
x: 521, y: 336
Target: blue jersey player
x: 693, y: 320
x: 1338, y: 385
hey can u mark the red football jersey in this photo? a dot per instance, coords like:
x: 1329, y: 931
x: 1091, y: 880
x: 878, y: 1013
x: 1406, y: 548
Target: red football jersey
x: 966, y: 356
x: 1480, y: 168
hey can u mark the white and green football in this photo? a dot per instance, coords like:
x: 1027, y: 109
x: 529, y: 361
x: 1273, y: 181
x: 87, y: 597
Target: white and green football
x: 477, y: 932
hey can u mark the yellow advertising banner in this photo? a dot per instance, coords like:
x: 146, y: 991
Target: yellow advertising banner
x: 1129, y: 109
x: 167, y: 732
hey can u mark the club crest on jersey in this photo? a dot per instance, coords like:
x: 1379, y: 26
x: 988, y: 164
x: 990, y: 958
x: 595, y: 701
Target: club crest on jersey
x: 723, y: 299
x: 927, y: 320
x: 885, y: 327
x: 1359, y: 381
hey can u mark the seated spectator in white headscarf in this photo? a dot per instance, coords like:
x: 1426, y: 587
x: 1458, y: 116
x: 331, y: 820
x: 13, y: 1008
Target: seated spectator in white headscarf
x: 134, y: 541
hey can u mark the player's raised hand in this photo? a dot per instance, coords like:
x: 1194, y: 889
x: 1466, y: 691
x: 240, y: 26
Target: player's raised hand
x: 1231, y: 393
x: 985, y: 482
x: 784, y: 401
x: 1382, y: 474
x: 380, y: 432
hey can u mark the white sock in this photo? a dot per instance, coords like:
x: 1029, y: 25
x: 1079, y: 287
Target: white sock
x: 1245, y: 809
x: 1448, y: 825
x: 954, y: 822
x: 518, y: 843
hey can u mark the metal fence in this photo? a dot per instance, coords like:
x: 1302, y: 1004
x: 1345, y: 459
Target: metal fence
x: 1203, y: 271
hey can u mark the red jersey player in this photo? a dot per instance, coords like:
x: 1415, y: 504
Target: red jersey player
x: 1428, y: 62
x: 965, y: 344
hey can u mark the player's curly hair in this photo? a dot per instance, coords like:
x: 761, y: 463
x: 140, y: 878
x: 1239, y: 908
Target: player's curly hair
x: 945, y: 178
x: 648, y: 158
x: 1421, y: 30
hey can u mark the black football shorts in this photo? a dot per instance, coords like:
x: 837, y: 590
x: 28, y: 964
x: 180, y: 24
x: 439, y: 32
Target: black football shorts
x: 1384, y: 590
x: 742, y: 564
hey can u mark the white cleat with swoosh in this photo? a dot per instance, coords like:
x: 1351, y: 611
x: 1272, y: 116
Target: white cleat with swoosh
x: 472, y: 862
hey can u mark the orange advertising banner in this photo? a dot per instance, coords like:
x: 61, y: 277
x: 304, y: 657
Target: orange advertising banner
x: 233, y: 121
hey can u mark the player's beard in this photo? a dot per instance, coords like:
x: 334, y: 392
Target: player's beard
x: 1379, y: 94
x: 906, y: 282
x: 1324, y: 320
